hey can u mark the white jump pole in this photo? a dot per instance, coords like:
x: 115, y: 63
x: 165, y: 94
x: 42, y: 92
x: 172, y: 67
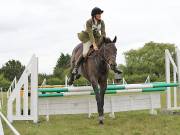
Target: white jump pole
x: 9, y: 124
x: 178, y: 63
x: 178, y: 66
x: 167, y: 68
x: 147, y: 79
x: 34, y: 92
x: 176, y: 76
x: 175, y: 89
x: 66, y: 81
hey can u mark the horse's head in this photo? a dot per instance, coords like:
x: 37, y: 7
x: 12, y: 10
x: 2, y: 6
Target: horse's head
x: 109, y: 51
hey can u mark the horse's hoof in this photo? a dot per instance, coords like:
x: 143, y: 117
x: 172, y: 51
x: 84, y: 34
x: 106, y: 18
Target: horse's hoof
x: 78, y: 76
x: 101, y: 122
x: 101, y: 118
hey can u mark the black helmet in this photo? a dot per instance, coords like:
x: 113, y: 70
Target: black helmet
x: 96, y: 11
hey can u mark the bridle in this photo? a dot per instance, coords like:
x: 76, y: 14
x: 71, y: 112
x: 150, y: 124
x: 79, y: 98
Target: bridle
x: 104, y: 58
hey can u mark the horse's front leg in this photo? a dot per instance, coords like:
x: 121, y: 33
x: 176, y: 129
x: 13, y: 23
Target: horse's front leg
x: 98, y: 99
x: 103, y: 87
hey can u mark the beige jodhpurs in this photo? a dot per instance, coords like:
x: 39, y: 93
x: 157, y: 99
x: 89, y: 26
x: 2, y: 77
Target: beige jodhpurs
x: 86, y: 47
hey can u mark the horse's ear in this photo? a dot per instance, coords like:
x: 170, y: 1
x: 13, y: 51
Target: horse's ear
x: 114, y: 40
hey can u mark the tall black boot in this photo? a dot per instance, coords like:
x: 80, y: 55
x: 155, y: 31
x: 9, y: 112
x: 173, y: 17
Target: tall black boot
x: 116, y: 70
x: 77, y: 64
x: 71, y: 79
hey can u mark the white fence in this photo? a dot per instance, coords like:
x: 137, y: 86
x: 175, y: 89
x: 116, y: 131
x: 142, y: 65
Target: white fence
x: 9, y: 125
x: 176, y: 78
x: 7, y: 122
x: 29, y: 82
x: 11, y: 87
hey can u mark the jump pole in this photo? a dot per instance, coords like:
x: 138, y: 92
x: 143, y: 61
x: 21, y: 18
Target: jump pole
x: 62, y: 94
x: 110, y: 87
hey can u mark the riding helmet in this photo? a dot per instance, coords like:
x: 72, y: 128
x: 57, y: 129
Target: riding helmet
x: 96, y: 11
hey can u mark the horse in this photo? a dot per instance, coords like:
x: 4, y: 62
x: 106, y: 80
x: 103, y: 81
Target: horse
x: 95, y: 69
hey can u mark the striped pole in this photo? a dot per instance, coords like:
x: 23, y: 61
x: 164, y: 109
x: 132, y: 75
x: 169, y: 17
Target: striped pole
x: 109, y: 87
x: 62, y: 94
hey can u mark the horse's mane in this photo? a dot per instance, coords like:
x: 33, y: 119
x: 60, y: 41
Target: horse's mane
x: 105, y: 41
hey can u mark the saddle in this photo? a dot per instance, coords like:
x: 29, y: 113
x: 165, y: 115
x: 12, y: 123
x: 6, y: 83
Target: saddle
x: 90, y: 53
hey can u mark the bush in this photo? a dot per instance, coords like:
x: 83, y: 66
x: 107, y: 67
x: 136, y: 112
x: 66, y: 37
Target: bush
x: 4, y: 83
x: 140, y: 78
x: 55, y: 81
x: 81, y: 81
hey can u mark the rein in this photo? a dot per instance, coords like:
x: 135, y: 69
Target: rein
x: 104, y: 55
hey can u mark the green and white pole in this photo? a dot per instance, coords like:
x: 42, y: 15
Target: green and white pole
x: 62, y: 94
x: 109, y: 88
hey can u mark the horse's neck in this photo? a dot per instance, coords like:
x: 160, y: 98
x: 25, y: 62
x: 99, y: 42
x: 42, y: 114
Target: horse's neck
x: 100, y: 61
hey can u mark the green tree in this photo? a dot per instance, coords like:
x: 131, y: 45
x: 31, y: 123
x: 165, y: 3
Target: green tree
x: 11, y: 69
x: 62, y: 66
x: 63, y: 61
x: 148, y: 60
x: 4, y: 83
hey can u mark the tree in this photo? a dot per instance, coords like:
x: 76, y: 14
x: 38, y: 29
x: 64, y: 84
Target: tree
x: 62, y: 66
x: 148, y: 60
x: 63, y: 61
x: 11, y: 69
x: 4, y: 83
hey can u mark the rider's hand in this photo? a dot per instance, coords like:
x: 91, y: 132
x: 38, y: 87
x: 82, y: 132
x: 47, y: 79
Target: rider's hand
x: 95, y: 46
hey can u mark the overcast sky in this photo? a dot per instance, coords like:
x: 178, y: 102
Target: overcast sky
x: 48, y: 27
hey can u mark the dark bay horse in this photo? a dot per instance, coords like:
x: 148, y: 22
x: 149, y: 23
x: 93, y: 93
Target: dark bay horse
x: 95, y: 69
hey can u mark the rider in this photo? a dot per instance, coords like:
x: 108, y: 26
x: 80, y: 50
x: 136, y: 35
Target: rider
x: 95, y: 31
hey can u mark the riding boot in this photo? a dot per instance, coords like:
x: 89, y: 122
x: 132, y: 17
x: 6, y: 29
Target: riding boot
x: 77, y: 64
x: 116, y: 70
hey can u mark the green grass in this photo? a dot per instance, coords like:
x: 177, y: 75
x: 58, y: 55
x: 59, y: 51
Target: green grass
x: 125, y: 123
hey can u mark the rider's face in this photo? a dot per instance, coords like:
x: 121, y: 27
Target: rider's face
x: 98, y: 17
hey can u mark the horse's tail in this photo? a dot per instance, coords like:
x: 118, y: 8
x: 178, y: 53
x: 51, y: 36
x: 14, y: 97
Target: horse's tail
x: 72, y: 62
x: 75, y: 54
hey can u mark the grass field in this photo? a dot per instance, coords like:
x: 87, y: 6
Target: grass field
x: 125, y: 123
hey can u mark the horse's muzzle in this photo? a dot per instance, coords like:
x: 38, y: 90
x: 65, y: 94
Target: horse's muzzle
x: 113, y: 66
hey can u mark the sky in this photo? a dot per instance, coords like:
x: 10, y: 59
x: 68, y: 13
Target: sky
x: 48, y: 28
